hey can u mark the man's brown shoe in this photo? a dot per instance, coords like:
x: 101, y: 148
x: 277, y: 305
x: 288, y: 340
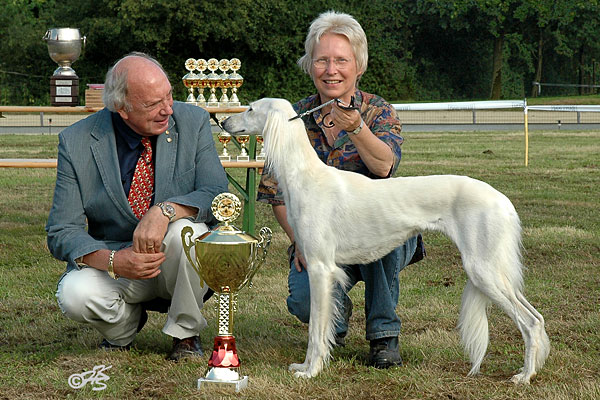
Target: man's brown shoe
x: 185, y: 348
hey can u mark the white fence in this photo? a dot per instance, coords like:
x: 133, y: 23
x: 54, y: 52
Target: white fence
x: 499, y: 105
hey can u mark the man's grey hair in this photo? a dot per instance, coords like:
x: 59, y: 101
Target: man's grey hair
x: 341, y: 24
x: 115, y: 84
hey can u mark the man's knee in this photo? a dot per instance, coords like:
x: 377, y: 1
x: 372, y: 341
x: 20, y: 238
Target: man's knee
x: 78, y: 297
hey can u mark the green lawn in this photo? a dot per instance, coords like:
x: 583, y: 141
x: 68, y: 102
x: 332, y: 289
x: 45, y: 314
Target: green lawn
x: 556, y: 197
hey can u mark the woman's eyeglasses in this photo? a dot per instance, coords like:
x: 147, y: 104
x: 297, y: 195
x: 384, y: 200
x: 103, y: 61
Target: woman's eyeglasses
x: 323, y: 63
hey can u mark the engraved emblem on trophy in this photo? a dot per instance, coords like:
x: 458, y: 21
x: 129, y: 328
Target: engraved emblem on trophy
x: 190, y: 79
x: 214, y: 81
x: 242, y: 140
x: 225, y: 82
x: 235, y: 80
x: 226, y: 260
x: 224, y: 138
x: 261, y: 155
x: 202, y: 82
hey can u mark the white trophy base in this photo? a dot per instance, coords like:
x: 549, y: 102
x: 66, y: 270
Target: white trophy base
x: 220, y: 378
x: 212, y: 104
x: 225, y: 158
x: 243, y: 158
x: 260, y: 158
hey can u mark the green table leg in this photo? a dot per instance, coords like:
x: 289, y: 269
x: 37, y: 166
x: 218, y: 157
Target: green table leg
x: 249, y: 192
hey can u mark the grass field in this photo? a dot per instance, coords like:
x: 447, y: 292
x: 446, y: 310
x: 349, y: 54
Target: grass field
x: 557, y: 197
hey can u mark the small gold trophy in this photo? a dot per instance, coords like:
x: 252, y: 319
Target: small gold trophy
x: 242, y: 140
x: 202, y: 82
x: 261, y: 155
x: 224, y: 139
x: 190, y: 79
x: 225, y: 82
x: 226, y: 259
x: 236, y: 81
x: 214, y: 81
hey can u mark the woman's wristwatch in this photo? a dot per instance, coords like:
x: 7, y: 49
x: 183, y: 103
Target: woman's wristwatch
x: 358, y: 128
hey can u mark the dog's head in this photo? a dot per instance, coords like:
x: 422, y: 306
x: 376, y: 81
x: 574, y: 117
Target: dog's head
x: 253, y: 120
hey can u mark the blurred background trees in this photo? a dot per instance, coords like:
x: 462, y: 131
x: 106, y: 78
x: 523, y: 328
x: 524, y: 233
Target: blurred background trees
x: 419, y: 50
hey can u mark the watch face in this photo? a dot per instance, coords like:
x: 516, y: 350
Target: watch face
x: 170, y: 210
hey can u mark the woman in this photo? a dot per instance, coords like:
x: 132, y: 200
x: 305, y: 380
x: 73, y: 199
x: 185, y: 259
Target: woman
x: 362, y: 134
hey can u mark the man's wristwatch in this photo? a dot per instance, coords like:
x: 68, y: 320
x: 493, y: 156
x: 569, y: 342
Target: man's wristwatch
x: 358, y: 128
x: 167, y: 209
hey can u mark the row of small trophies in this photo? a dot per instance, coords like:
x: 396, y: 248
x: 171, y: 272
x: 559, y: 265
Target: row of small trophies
x: 213, y: 81
x: 225, y: 138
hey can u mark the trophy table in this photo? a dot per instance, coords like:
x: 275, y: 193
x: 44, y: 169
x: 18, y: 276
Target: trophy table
x: 64, y: 47
x: 226, y: 260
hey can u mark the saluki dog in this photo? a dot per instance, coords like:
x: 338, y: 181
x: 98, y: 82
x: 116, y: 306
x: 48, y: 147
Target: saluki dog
x: 341, y: 217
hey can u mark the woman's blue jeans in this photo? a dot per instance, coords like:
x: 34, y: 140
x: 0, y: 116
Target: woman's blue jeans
x: 381, y: 292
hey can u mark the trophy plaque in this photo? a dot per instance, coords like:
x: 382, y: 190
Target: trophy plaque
x: 64, y: 48
x: 226, y: 260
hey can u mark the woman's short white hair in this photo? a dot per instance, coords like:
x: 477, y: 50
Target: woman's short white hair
x: 341, y: 24
x: 115, y: 84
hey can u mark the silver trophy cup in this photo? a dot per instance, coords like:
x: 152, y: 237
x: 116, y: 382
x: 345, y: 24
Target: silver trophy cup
x: 64, y: 47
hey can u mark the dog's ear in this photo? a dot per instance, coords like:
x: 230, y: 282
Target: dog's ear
x: 274, y: 122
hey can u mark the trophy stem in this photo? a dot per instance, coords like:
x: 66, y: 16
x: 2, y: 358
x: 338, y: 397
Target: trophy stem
x: 227, y: 307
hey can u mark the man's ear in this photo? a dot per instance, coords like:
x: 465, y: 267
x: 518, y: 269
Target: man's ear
x: 123, y: 114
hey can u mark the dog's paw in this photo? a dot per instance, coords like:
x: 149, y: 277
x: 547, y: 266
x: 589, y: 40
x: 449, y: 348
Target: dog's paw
x: 298, y: 368
x: 522, y: 378
x: 303, y: 375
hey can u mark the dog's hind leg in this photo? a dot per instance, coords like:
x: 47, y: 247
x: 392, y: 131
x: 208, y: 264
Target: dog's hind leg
x: 323, y: 310
x: 473, y: 322
x: 537, y: 343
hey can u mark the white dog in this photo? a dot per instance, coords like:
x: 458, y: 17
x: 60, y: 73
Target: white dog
x: 378, y: 216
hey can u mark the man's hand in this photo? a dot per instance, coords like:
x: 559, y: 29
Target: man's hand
x: 133, y: 265
x: 150, y: 231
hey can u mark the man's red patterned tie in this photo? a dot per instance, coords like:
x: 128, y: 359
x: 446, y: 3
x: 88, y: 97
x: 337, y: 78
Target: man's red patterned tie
x: 142, y: 185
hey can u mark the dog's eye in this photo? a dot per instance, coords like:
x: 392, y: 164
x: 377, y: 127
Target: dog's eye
x: 249, y: 109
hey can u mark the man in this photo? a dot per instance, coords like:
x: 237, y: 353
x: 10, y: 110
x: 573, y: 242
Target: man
x: 129, y: 178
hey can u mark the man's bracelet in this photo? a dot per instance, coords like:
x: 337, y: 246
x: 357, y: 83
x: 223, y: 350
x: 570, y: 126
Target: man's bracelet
x: 111, y: 265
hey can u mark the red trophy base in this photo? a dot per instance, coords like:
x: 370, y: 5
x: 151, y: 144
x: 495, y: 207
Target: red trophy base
x: 224, y: 353
x: 223, y: 364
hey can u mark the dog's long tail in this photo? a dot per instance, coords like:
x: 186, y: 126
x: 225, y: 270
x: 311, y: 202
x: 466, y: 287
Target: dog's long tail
x: 473, y: 325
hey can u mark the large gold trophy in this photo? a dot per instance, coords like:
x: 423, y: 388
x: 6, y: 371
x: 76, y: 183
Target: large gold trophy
x: 226, y: 259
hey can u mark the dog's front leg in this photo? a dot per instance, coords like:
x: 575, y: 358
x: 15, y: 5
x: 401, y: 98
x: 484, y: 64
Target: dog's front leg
x: 320, y: 326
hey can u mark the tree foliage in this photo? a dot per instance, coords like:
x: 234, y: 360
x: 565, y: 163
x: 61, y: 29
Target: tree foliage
x: 418, y: 49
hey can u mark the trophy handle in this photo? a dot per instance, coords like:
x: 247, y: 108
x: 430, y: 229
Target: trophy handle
x: 265, y: 235
x: 47, y: 35
x: 187, y: 243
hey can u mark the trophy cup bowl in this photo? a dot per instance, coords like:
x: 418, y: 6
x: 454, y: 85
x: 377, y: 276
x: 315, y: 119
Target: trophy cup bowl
x: 226, y: 259
x: 64, y: 47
